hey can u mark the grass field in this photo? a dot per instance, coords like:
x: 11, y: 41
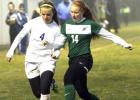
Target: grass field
x: 115, y: 75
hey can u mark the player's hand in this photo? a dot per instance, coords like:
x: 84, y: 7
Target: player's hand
x: 54, y: 56
x: 9, y: 56
x: 9, y: 59
x: 129, y: 46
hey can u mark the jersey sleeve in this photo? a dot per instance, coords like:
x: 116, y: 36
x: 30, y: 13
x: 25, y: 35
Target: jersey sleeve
x: 95, y: 27
x: 17, y: 40
x: 63, y: 29
x: 59, y: 39
x: 110, y: 36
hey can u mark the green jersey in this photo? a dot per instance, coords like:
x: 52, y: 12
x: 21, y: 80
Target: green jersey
x: 79, y: 35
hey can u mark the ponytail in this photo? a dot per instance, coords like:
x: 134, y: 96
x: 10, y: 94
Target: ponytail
x: 87, y: 13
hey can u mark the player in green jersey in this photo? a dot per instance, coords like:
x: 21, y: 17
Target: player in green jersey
x: 79, y: 32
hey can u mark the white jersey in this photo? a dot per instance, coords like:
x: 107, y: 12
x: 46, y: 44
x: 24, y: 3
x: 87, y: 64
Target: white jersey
x: 44, y: 39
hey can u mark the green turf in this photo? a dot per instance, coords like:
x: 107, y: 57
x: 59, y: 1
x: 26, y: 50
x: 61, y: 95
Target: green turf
x: 114, y: 76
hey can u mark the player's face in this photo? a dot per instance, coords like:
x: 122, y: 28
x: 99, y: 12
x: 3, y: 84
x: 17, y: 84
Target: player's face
x: 76, y: 13
x: 47, y: 14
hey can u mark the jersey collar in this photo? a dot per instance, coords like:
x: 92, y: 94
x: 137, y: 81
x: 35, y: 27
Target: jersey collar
x: 81, y: 20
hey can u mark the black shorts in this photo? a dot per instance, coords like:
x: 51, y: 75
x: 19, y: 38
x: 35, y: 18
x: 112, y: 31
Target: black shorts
x: 84, y: 61
x: 78, y: 68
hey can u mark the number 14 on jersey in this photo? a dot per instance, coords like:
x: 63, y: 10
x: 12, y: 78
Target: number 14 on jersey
x: 75, y: 38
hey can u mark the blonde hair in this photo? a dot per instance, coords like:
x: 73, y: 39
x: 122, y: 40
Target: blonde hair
x: 49, y: 4
x: 46, y: 5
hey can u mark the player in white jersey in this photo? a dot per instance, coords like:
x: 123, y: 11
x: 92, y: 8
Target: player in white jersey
x: 43, y: 49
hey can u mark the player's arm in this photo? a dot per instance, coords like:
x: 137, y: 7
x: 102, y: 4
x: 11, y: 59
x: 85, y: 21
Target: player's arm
x: 57, y: 45
x: 15, y: 43
x: 7, y: 21
x: 59, y: 41
x: 116, y: 39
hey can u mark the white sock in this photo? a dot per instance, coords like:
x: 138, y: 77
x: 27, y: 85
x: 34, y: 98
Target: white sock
x: 45, y: 97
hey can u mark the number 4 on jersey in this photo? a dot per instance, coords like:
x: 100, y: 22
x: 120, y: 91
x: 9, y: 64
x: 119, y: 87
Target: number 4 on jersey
x: 42, y: 36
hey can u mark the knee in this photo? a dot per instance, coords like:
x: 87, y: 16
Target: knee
x: 46, y: 80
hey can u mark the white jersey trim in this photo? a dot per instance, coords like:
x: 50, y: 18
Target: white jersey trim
x: 78, y: 29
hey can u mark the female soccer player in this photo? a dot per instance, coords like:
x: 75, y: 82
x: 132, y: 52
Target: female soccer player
x: 45, y: 41
x: 79, y: 32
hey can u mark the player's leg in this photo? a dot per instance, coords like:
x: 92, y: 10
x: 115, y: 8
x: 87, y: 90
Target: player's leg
x: 69, y: 90
x: 33, y: 76
x: 47, y: 73
x: 35, y: 86
x: 46, y: 80
x: 54, y: 86
x: 84, y: 64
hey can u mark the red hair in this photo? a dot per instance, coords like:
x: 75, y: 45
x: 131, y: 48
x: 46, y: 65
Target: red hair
x: 84, y: 7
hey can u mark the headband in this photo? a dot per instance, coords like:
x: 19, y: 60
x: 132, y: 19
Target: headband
x: 47, y: 5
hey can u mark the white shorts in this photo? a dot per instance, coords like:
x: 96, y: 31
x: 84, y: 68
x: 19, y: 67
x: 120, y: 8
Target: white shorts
x: 34, y: 69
